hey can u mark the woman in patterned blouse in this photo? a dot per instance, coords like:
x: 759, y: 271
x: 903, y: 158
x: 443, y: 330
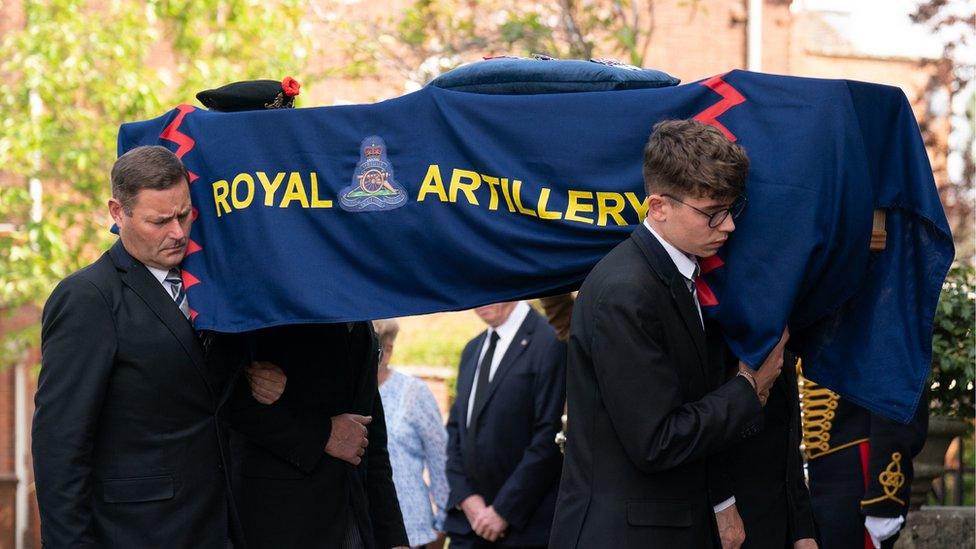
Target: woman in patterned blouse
x: 416, y: 440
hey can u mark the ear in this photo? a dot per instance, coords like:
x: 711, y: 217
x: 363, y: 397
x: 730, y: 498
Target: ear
x: 658, y: 207
x: 115, y: 209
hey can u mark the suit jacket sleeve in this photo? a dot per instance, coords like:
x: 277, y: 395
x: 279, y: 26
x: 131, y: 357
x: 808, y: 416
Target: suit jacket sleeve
x: 299, y: 439
x: 631, y: 362
x: 78, y: 346
x: 722, y: 367
x: 890, y: 472
x: 457, y: 476
x: 535, y: 474
x: 388, y: 529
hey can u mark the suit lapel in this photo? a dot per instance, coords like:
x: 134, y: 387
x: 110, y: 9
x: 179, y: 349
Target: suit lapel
x: 138, y: 278
x: 664, y: 267
x: 465, y: 381
x: 521, y: 341
x: 689, y: 313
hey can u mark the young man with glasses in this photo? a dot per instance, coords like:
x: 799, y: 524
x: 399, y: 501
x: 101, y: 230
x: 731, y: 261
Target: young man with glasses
x: 646, y: 414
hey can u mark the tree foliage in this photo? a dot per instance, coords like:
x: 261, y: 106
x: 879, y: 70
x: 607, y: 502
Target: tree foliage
x: 955, y: 23
x: 954, y: 345
x: 432, y: 36
x: 74, y: 73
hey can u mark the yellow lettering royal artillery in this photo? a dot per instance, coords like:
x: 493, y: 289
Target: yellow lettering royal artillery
x: 593, y: 208
x: 240, y: 192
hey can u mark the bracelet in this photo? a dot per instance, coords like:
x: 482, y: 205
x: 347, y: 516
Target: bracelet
x: 752, y: 380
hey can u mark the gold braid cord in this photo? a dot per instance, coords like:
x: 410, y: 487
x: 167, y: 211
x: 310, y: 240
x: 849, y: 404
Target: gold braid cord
x: 817, y: 408
x: 891, y: 480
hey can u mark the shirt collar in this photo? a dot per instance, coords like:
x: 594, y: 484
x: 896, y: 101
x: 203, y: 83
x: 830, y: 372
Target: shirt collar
x: 506, y: 331
x: 160, y: 274
x: 687, y: 264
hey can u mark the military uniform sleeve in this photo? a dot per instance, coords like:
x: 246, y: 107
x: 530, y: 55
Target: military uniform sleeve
x: 890, y: 473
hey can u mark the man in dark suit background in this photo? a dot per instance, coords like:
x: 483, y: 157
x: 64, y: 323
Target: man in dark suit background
x: 645, y: 417
x: 125, y: 439
x: 502, y: 461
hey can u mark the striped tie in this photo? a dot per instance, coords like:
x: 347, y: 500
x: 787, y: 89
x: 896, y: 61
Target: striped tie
x: 693, y: 288
x: 176, y: 290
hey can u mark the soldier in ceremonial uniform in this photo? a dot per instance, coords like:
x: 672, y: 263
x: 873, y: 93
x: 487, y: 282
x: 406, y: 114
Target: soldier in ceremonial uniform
x: 860, y: 467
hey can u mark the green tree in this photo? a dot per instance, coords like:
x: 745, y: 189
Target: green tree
x: 955, y: 24
x: 73, y: 74
x: 432, y: 36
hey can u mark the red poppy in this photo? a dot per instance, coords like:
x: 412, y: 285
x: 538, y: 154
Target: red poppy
x: 290, y: 86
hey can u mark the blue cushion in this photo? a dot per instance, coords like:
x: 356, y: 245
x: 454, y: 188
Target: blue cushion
x: 513, y: 75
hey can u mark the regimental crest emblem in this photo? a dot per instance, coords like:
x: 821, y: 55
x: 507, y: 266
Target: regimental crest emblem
x: 373, y: 186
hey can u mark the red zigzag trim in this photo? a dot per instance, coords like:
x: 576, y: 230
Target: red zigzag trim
x: 185, y: 144
x: 730, y: 98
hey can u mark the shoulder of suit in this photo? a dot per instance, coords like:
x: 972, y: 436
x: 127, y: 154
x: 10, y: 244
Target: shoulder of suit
x: 473, y: 342
x: 627, y: 284
x: 100, y: 276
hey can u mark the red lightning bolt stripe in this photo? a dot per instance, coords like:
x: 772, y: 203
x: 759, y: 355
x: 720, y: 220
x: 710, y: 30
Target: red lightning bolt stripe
x: 185, y: 144
x: 730, y: 98
x: 706, y: 297
x: 709, y: 264
x: 172, y: 131
x: 189, y: 280
x: 192, y: 248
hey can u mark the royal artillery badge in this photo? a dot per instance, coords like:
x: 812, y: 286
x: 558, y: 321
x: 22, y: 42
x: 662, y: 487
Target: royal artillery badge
x: 373, y: 185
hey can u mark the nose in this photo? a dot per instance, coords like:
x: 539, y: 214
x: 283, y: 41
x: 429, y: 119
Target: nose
x: 727, y: 225
x: 176, y: 230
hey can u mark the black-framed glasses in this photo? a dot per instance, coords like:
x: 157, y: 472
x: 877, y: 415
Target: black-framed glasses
x: 715, y: 219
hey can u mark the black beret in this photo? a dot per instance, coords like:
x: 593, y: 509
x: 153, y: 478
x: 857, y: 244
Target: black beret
x: 251, y: 95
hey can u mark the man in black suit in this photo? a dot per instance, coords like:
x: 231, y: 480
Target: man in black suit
x: 644, y: 416
x: 125, y: 437
x: 502, y: 461
x: 334, y: 486
x: 310, y: 465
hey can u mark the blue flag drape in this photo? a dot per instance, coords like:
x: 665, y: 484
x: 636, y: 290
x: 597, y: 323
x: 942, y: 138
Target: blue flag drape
x: 442, y: 200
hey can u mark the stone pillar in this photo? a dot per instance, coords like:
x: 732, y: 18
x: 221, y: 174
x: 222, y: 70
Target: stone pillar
x: 938, y: 528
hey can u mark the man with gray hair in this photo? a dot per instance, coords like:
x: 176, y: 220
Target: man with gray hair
x: 126, y: 444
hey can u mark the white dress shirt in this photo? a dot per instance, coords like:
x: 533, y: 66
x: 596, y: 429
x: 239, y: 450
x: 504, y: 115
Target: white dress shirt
x: 160, y: 275
x: 506, y: 332
x: 688, y: 267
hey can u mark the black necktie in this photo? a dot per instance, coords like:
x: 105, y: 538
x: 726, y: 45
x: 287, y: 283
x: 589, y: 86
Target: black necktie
x: 484, y: 370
